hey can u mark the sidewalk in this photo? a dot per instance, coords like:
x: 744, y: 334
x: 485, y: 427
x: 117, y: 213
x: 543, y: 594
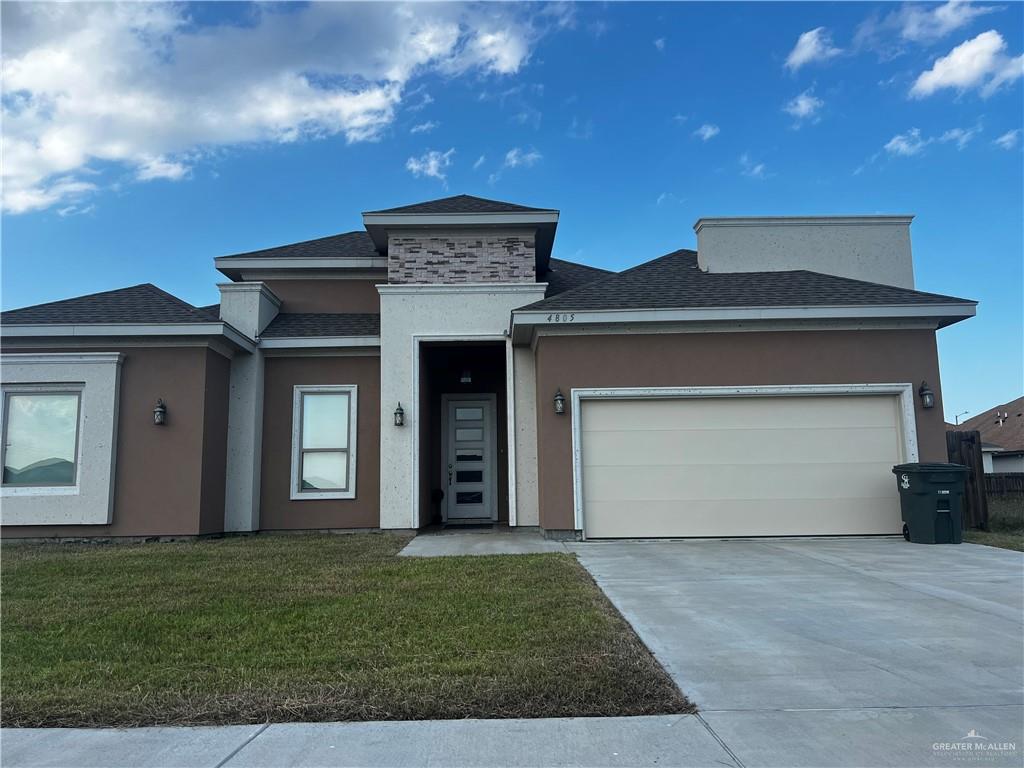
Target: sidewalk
x: 675, y: 740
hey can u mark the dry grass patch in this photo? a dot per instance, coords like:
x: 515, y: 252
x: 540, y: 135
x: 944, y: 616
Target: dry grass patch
x: 289, y: 628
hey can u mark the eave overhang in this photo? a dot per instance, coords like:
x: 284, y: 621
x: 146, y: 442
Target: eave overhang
x: 525, y: 321
x: 212, y: 329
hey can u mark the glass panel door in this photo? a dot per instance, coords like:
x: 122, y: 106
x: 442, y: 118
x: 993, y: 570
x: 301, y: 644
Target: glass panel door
x: 468, y: 460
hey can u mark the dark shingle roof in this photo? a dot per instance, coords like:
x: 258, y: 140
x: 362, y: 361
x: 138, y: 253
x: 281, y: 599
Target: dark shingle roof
x: 301, y: 325
x: 346, y: 245
x: 1002, y: 425
x: 139, y: 304
x: 563, y: 276
x: 674, y: 281
x: 462, y: 204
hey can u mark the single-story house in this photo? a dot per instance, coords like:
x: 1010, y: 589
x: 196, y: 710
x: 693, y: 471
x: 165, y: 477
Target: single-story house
x: 1002, y: 436
x: 440, y: 366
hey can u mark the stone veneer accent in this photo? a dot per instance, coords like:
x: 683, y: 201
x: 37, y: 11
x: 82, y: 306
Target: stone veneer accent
x: 462, y: 257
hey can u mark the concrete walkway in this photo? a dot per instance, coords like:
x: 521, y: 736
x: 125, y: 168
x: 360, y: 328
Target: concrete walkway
x: 832, y: 652
x: 482, y: 542
x: 598, y: 742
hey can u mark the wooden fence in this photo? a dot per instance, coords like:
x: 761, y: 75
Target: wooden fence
x: 999, y: 483
x: 965, y: 448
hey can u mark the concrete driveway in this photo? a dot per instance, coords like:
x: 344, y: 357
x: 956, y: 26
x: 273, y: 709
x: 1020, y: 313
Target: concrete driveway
x: 834, y: 651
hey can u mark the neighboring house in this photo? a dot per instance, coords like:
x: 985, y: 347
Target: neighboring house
x: 441, y: 366
x: 1002, y: 436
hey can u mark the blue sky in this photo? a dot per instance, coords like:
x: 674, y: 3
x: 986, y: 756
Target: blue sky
x: 142, y: 141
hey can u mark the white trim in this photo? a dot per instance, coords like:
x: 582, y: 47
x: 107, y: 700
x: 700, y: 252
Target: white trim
x: 318, y: 342
x: 523, y: 218
x: 510, y: 431
x: 60, y: 358
x: 353, y: 430
x: 904, y: 391
x: 491, y: 398
x: 427, y: 288
x: 414, y: 407
x: 250, y: 286
x: 131, y: 329
x: 789, y: 221
x: 234, y: 263
x: 532, y: 317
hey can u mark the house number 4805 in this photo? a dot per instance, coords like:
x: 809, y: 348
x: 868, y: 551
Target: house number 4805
x: 566, y: 317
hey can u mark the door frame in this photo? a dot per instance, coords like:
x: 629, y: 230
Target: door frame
x: 491, y: 398
x: 904, y: 391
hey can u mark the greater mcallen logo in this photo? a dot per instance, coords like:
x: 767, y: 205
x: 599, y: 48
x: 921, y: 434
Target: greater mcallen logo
x: 976, y: 745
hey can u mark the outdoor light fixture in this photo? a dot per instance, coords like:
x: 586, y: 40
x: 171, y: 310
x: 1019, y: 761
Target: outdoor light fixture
x: 926, y: 395
x: 399, y: 416
x: 559, y: 401
x: 160, y: 412
x: 466, y: 377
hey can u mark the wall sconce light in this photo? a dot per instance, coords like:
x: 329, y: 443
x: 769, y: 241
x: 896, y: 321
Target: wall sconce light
x: 399, y: 416
x: 466, y: 377
x: 926, y: 395
x: 559, y: 401
x: 160, y: 412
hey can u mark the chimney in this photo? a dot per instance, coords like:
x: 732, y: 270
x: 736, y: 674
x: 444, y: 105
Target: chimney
x: 871, y: 248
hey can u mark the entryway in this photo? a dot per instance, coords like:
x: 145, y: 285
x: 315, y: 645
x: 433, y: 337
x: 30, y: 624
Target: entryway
x: 462, y: 435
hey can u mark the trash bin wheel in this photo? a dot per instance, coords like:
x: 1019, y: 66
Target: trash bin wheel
x: 906, y: 532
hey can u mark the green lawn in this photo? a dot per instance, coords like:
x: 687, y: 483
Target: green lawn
x: 286, y: 628
x: 1006, y: 538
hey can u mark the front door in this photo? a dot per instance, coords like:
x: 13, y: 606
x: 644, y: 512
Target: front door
x: 469, y: 461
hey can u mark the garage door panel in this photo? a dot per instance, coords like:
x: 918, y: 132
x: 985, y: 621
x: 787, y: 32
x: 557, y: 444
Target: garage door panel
x: 703, y: 447
x: 802, y: 517
x: 763, y: 481
x: 740, y: 466
x: 741, y: 413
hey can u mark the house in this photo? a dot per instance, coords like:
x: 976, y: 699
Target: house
x: 1002, y: 436
x: 442, y: 366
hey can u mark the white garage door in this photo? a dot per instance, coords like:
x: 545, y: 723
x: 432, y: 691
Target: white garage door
x: 740, y: 466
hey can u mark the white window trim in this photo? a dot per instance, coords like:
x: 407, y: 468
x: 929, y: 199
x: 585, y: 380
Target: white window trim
x: 77, y: 389
x: 904, y: 391
x: 295, y: 493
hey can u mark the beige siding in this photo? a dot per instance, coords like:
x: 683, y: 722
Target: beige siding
x: 751, y: 466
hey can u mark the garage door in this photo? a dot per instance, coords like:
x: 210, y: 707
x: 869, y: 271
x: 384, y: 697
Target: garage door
x: 740, y: 466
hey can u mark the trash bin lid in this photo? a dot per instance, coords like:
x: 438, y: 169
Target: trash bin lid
x: 933, y: 467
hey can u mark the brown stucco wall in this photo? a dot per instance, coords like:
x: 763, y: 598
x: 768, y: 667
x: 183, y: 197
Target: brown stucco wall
x: 327, y: 295
x: 720, y: 359
x: 169, y: 480
x: 277, y: 510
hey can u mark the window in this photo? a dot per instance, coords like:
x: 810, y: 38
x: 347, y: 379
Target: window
x: 40, y: 437
x: 324, y: 442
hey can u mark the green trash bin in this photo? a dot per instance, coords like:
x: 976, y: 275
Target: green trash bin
x: 932, y: 502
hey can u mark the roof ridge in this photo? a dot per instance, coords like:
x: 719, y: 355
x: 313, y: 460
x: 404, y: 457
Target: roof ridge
x: 299, y: 243
x: 176, y: 299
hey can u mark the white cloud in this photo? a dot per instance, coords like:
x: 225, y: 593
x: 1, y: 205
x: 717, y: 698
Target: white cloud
x: 1009, y: 139
x: 962, y: 136
x: 926, y: 23
x: 706, y: 132
x: 431, y: 163
x: 142, y: 86
x: 479, y: 161
x: 805, y: 106
x: 426, y: 127
x: 660, y: 43
x: 669, y: 197
x: 578, y: 130
x: 679, y: 118
x: 161, y: 168
x: 751, y: 168
x: 976, y: 63
x: 517, y: 157
x: 813, y: 45
x: 907, y: 144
